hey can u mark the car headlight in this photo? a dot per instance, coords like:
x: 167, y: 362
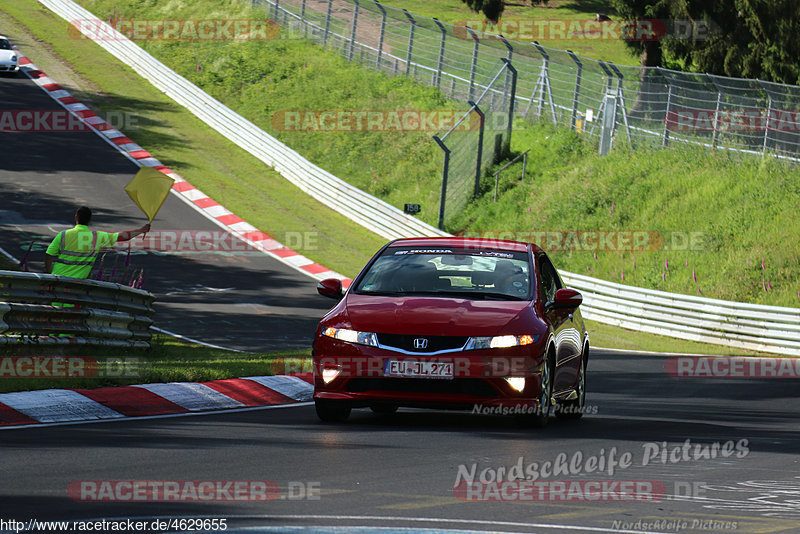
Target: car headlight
x: 500, y: 342
x: 351, y: 336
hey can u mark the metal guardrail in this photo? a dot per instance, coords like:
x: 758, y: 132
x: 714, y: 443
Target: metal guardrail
x: 374, y: 214
x: 758, y: 327
x: 103, y: 313
x: 749, y: 326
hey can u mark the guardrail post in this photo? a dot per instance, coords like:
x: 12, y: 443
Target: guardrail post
x: 478, y: 163
x: 327, y: 23
x: 440, y: 62
x: 445, y: 170
x: 353, y: 31
x: 577, y: 91
x: 474, y: 66
x: 512, y: 97
x: 383, y: 34
x: 410, y: 41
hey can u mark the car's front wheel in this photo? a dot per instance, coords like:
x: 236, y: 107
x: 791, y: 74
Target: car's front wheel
x: 573, y: 409
x: 542, y: 415
x: 332, y: 411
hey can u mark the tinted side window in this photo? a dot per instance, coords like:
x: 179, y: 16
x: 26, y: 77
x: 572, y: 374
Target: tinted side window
x: 550, y: 281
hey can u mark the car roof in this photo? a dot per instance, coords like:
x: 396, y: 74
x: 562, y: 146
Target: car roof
x: 466, y: 242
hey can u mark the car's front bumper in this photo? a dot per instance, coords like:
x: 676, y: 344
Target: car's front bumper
x: 478, y: 383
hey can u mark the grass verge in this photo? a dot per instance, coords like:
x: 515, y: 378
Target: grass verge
x: 169, y: 360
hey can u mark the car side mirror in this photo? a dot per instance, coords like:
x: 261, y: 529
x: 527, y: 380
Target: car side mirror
x: 330, y: 287
x: 565, y: 299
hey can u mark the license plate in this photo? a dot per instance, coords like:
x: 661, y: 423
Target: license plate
x: 417, y: 369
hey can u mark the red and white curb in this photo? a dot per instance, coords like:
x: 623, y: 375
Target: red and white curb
x: 72, y: 405
x: 201, y: 202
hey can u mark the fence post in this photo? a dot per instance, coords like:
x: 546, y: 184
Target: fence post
x: 474, y: 66
x: 445, y: 170
x: 577, y: 88
x: 327, y: 23
x: 621, y: 96
x: 545, y: 75
x: 353, y: 31
x: 715, y: 134
x: 383, y: 33
x: 510, y: 51
x: 410, y: 40
x: 766, y: 119
x: 480, y: 147
x: 608, y: 124
x: 512, y: 97
x: 277, y: 8
x: 303, y: 18
x: 440, y: 62
x: 665, y: 138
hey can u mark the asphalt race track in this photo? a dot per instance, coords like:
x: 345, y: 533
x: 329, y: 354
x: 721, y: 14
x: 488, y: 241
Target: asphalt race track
x: 389, y: 473
x: 242, y: 300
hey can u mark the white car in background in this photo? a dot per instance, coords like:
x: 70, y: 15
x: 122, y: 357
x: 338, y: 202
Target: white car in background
x: 9, y: 57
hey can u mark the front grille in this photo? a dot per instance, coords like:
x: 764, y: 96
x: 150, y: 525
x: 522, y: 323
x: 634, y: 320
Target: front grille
x: 456, y: 386
x: 434, y: 343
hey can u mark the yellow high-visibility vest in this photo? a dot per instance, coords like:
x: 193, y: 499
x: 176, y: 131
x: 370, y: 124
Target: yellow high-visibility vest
x: 76, y: 249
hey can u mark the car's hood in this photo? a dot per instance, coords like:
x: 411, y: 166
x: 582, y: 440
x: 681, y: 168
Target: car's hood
x: 5, y: 55
x: 431, y: 316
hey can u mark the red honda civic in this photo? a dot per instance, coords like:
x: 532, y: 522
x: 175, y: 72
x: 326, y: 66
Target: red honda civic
x: 453, y: 323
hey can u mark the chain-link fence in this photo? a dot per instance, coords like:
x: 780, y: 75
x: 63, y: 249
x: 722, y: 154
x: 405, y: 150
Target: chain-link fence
x: 607, y: 102
x: 476, y: 141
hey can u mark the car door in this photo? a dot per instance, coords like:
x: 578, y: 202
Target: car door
x: 568, y: 347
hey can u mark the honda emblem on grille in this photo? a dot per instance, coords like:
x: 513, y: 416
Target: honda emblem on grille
x: 420, y: 343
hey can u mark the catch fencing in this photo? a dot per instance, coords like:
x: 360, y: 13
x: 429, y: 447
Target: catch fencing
x: 645, y: 105
x: 102, y: 313
x: 478, y: 139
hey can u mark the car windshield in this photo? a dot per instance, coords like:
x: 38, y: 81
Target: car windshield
x: 4, y: 44
x: 449, y: 272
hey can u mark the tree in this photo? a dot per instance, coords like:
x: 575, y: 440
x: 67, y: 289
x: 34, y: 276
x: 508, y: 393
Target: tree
x: 746, y: 38
x: 493, y: 9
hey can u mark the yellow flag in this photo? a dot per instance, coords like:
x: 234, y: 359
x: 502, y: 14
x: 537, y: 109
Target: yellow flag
x: 149, y: 189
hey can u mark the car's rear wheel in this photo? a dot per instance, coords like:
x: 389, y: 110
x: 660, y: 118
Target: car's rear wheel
x: 384, y: 409
x: 332, y: 411
x: 573, y: 409
x: 542, y: 415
